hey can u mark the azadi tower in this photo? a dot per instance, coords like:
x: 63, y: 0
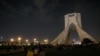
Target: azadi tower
x: 72, y: 22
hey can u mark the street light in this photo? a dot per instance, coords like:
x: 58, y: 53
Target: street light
x: 46, y: 41
x: 34, y: 39
x: 19, y: 40
x: 26, y: 40
x: 12, y: 40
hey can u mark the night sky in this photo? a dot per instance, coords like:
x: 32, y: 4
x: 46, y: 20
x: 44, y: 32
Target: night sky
x: 45, y: 18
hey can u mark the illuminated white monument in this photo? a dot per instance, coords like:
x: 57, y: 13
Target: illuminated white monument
x: 72, y: 22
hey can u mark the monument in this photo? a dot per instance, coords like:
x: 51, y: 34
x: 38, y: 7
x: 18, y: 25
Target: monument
x: 72, y: 22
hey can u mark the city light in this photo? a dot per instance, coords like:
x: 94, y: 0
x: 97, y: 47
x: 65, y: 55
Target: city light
x: 26, y: 40
x: 46, y: 41
x: 37, y: 42
x: 34, y: 39
x: 77, y: 43
x: 19, y: 40
x: 11, y: 39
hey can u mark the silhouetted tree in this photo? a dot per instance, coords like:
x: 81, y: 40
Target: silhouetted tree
x: 87, y: 41
x: 99, y: 43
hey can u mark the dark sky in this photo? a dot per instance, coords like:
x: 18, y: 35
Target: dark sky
x: 45, y: 18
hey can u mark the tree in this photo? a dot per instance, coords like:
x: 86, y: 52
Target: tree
x: 87, y: 41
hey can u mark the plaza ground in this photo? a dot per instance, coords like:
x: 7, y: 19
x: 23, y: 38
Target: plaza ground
x: 55, y: 51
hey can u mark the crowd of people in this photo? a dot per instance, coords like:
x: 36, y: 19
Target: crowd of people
x: 37, y: 50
